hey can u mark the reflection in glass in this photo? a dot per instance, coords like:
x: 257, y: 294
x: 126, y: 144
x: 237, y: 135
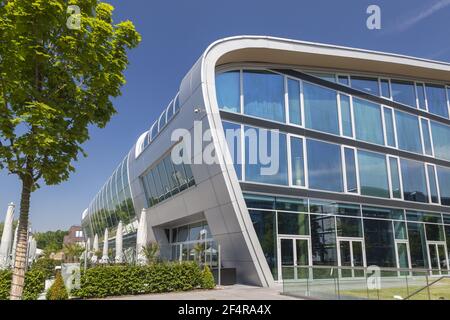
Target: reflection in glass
x: 324, y: 166
x: 395, y: 178
x: 418, y: 246
x: 346, y: 116
x: 385, y: 88
x: 350, y: 169
x: 379, y: 240
x: 273, y: 169
x: 233, y: 136
x: 404, y: 92
x: 400, y: 230
x: 414, y: 182
x: 421, y: 96
x: 369, y: 85
x: 348, y: 227
x: 228, y: 91
x: 321, y: 112
x: 389, y: 124
x: 293, y: 223
x: 434, y: 232
x: 373, y: 175
x: 437, y: 100
x: 441, y: 141
x: 295, y: 115
x: 433, y: 185
x: 323, y: 237
x: 408, y: 132
x: 444, y: 185
x: 264, y: 95
x: 368, y: 124
x: 426, y: 137
x: 265, y: 228
x: 297, y: 162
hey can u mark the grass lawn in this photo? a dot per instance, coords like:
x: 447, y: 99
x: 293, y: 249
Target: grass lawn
x: 440, y: 290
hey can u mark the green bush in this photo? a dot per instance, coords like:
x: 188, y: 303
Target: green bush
x: 5, y: 284
x: 45, y: 264
x: 58, y: 290
x: 34, y: 284
x: 207, y: 279
x: 103, y: 281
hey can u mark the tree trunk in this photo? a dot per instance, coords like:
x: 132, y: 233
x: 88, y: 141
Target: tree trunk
x: 18, y: 278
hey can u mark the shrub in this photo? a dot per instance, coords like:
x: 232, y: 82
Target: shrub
x: 58, y: 290
x: 5, y: 284
x: 102, y: 281
x: 45, y: 264
x: 207, y: 279
x: 34, y: 284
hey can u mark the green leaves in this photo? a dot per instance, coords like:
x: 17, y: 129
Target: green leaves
x: 56, y: 82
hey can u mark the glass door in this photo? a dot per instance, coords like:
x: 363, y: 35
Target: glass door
x: 403, y: 262
x: 437, y: 257
x: 293, y: 254
x: 351, y: 255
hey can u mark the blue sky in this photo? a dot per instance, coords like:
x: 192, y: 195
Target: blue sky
x: 174, y: 35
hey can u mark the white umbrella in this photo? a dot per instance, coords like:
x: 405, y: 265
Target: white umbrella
x: 119, y: 243
x: 141, y: 238
x: 14, y: 247
x: 7, y: 237
x: 95, y: 249
x: 105, y: 257
x: 31, y: 249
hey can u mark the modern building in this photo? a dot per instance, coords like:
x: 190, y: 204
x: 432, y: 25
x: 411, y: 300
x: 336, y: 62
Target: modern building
x: 363, y: 174
x: 74, y: 236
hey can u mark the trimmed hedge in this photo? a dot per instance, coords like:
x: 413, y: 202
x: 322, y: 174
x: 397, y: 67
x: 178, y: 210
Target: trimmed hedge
x: 34, y: 284
x: 103, y: 281
x: 58, y: 290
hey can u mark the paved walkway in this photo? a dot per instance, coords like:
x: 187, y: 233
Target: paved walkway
x: 235, y: 292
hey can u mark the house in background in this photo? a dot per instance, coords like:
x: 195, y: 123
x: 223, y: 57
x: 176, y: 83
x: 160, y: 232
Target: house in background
x: 75, y: 236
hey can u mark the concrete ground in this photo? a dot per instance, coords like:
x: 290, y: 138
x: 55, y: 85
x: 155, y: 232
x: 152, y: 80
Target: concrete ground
x: 235, y: 292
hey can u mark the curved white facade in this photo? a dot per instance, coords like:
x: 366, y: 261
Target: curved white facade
x: 217, y: 196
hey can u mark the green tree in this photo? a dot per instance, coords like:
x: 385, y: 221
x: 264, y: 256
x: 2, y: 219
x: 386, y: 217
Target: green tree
x: 151, y: 252
x: 50, y: 241
x: 72, y: 252
x: 55, y: 83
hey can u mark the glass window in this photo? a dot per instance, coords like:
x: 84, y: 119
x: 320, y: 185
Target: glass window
x: 385, y: 88
x: 346, y: 116
x: 373, y: 174
x: 323, y: 240
x: 369, y: 85
x: 400, y: 230
x: 291, y: 204
x: 389, y: 124
x: 444, y: 185
x: 379, y: 241
x: 433, y: 185
x: 435, y: 232
x: 343, y: 80
x: 441, y: 140
x: 446, y: 218
x: 293, y: 223
x: 295, y: 113
x: 152, y: 195
x: 259, y: 201
x: 265, y: 228
x: 421, y: 96
x: 154, y: 131
x: 297, y: 162
x: 383, y: 213
x: 324, y: 166
x: 164, y: 180
x: 270, y: 167
x: 324, y: 76
x: 350, y: 170
x: 195, y: 231
x: 326, y: 207
x: 177, y: 104
x: 228, y: 91
x: 162, y: 120
x: 264, y: 95
x: 321, y: 110
x: 417, y: 245
x: 414, y: 182
x: 395, y: 178
x: 426, y: 137
x: 404, y: 92
x: 408, y: 132
x: 349, y: 227
x: 233, y: 136
x: 437, y: 100
x: 368, y: 124
x: 432, y: 217
x: 170, y: 111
